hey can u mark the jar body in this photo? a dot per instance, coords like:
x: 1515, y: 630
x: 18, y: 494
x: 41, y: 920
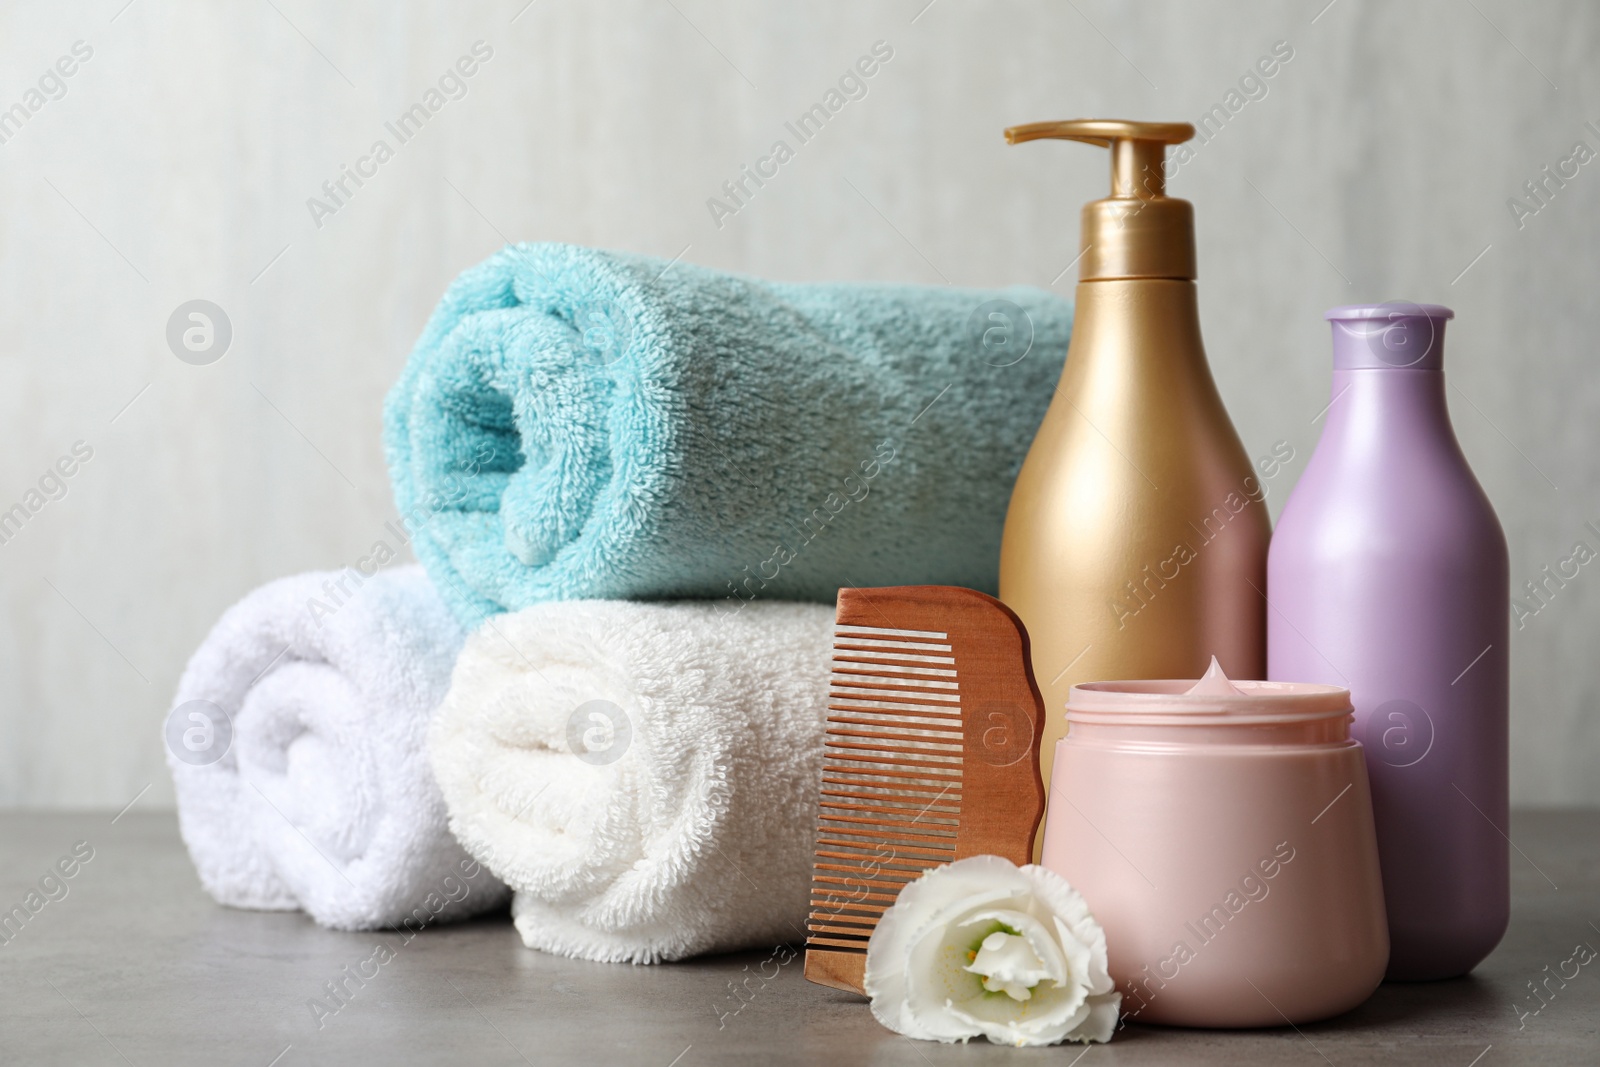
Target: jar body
x: 1238, y: 884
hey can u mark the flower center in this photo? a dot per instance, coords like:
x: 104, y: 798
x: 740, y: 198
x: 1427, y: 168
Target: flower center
x: 1007, y: 964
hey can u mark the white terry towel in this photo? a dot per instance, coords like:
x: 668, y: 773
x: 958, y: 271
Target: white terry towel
x: 324, y: 799
x: 643, y: 775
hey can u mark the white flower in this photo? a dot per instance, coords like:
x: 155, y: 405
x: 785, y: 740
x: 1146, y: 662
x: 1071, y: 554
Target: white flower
x: 982, y: 946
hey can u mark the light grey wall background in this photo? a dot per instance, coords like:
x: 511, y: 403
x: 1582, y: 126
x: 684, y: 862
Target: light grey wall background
x: 178, y: 163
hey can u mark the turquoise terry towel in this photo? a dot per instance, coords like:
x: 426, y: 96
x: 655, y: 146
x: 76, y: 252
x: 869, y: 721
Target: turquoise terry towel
x: 575, y: 423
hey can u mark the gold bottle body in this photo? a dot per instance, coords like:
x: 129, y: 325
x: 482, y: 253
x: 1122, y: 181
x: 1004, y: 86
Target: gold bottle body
x: 1136, y: 541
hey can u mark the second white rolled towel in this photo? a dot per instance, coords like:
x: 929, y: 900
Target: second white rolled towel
x: 643, y: 775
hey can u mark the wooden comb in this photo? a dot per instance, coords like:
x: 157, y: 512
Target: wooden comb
x: 931, y: 756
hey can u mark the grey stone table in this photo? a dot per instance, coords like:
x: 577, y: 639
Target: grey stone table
x: 135, y: 965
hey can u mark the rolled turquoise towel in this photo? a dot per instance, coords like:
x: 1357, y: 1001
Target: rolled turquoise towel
x: 576, y: 423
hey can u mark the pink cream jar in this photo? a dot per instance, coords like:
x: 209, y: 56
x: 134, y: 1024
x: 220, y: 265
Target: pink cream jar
x: 1222, y: 834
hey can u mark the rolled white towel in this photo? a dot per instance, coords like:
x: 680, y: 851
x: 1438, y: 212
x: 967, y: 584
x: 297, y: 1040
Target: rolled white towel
x: 643, y: 775
x: 310, y: 787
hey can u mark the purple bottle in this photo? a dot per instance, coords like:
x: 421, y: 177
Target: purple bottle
x: 1388, y: 575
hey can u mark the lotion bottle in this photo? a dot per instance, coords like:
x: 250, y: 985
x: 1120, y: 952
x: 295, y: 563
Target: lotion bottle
x: 1136, y: 541
x: 1389, y: 576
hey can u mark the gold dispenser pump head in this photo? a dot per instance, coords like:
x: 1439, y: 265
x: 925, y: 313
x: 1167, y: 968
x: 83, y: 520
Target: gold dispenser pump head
x: 1139, y: 231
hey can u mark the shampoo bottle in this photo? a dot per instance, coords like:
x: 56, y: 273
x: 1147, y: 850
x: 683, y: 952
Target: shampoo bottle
x: 1388, y: 576
x: 1136, y: 541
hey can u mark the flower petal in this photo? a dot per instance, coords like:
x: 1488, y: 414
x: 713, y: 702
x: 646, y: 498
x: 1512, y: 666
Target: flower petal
x: 1007, y: 965
x: 1043, y: 1020
x: 1041, y: 938
x: 1068, y: 907
x: 1102, y: 1019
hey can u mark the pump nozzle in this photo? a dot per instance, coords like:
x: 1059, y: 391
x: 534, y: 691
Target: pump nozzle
x: 1139, y: 231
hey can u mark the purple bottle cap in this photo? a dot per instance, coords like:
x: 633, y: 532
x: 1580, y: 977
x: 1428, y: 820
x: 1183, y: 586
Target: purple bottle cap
x: 1394, y: 335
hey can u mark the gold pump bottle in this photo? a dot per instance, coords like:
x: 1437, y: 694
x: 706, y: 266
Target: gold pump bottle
x: 1136, y: 541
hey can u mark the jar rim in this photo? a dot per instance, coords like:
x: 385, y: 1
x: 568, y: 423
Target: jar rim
x: 1168, y: 702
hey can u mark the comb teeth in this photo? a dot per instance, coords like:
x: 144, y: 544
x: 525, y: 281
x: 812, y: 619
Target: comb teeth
x: 891, y: 777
